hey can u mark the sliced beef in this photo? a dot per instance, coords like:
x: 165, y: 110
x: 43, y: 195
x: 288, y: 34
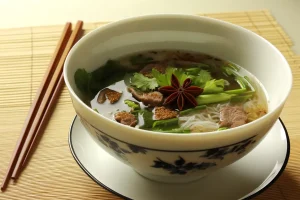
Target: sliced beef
x: 126, y: 118
x: 164, y: 113
x: 149, y: 99
x: 232, y: 116
x: 161, y: 67
x: 102, y: 97
x: 112, y: 95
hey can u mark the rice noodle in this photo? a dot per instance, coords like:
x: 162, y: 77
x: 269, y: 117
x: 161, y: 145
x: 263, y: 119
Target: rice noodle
x: 205, y: 121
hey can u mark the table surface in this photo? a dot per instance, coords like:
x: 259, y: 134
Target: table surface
x: 52, y: 173
x: 19, y: 13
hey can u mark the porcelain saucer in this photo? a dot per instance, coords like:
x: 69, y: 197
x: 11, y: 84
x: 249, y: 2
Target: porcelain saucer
x: 243, y: 179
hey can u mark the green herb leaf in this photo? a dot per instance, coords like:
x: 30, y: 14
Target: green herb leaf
x: 143, y: 83
x: 165, y: 79
x: 82, y: 79
x: 132, y: 104
x: 110, y: 67
x: 91, y: 83
x: 214, y: 86
x: 179, y: 73
x: 161, y: 79
x: 148, y: 119
x: 201, y: 78
x: 168, y: 74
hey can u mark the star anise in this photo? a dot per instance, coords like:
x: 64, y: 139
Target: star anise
x: 181, y: 94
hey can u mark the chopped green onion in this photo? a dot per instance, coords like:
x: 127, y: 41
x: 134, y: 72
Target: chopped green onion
x: 236, y: 91
x: 192, y: 110
x: 95, y: 109
x: 132, y: 104
x: 165, y: 123
x: 241, y: 98
x: 222, y: 128
x: 241, y: 82
x: 213, y: 98
x: 247, y: 79
x: 175, y: 130
x: 233, y: 66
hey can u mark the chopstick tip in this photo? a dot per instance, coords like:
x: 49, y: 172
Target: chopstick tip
x: 79, y: 23
x: 3, y: 188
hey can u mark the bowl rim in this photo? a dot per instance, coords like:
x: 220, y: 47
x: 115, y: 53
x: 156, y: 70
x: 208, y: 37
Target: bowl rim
x: 174, y: 16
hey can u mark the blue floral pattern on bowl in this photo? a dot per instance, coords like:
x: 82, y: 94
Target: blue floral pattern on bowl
x: 180, y: 166
x: 137, y: 149
x: 221, y: 152
x: 182, y: 162
x: 105, y: 140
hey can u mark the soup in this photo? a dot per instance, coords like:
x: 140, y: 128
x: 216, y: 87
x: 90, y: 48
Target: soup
x: 173, y: 91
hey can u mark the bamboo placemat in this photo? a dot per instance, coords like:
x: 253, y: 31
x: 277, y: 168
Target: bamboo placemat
x: 52, y: 172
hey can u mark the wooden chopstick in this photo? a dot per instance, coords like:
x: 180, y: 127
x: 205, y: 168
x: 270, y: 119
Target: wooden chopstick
x: 48, y: 101
x: 35, y: 104
x: 44, y: 120
x: 46, y: 116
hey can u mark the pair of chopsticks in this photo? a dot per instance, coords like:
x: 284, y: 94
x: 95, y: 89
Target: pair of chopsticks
x: 43, y: 104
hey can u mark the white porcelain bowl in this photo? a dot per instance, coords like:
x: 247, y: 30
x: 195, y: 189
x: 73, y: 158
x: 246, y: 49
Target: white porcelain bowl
x: 179, y: 157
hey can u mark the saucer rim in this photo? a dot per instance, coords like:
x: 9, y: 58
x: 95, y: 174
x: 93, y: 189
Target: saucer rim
x: 127, y: 198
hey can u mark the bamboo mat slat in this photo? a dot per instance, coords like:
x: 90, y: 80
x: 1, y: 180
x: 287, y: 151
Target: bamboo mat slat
x: 52, y: 172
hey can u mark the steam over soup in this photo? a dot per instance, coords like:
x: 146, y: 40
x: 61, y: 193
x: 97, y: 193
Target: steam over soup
x: 173, y: 91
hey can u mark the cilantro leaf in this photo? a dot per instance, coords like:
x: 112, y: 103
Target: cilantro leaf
x: 147, y: 118
x: 90, y: 83
x: 179, y: 73
x: 143, y: 83
x: 214, y: 86
x: 161, y: 79
x: 168, y: 74
x: 201, y: 79
x: 165, y: 79
x: 82, y: 79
